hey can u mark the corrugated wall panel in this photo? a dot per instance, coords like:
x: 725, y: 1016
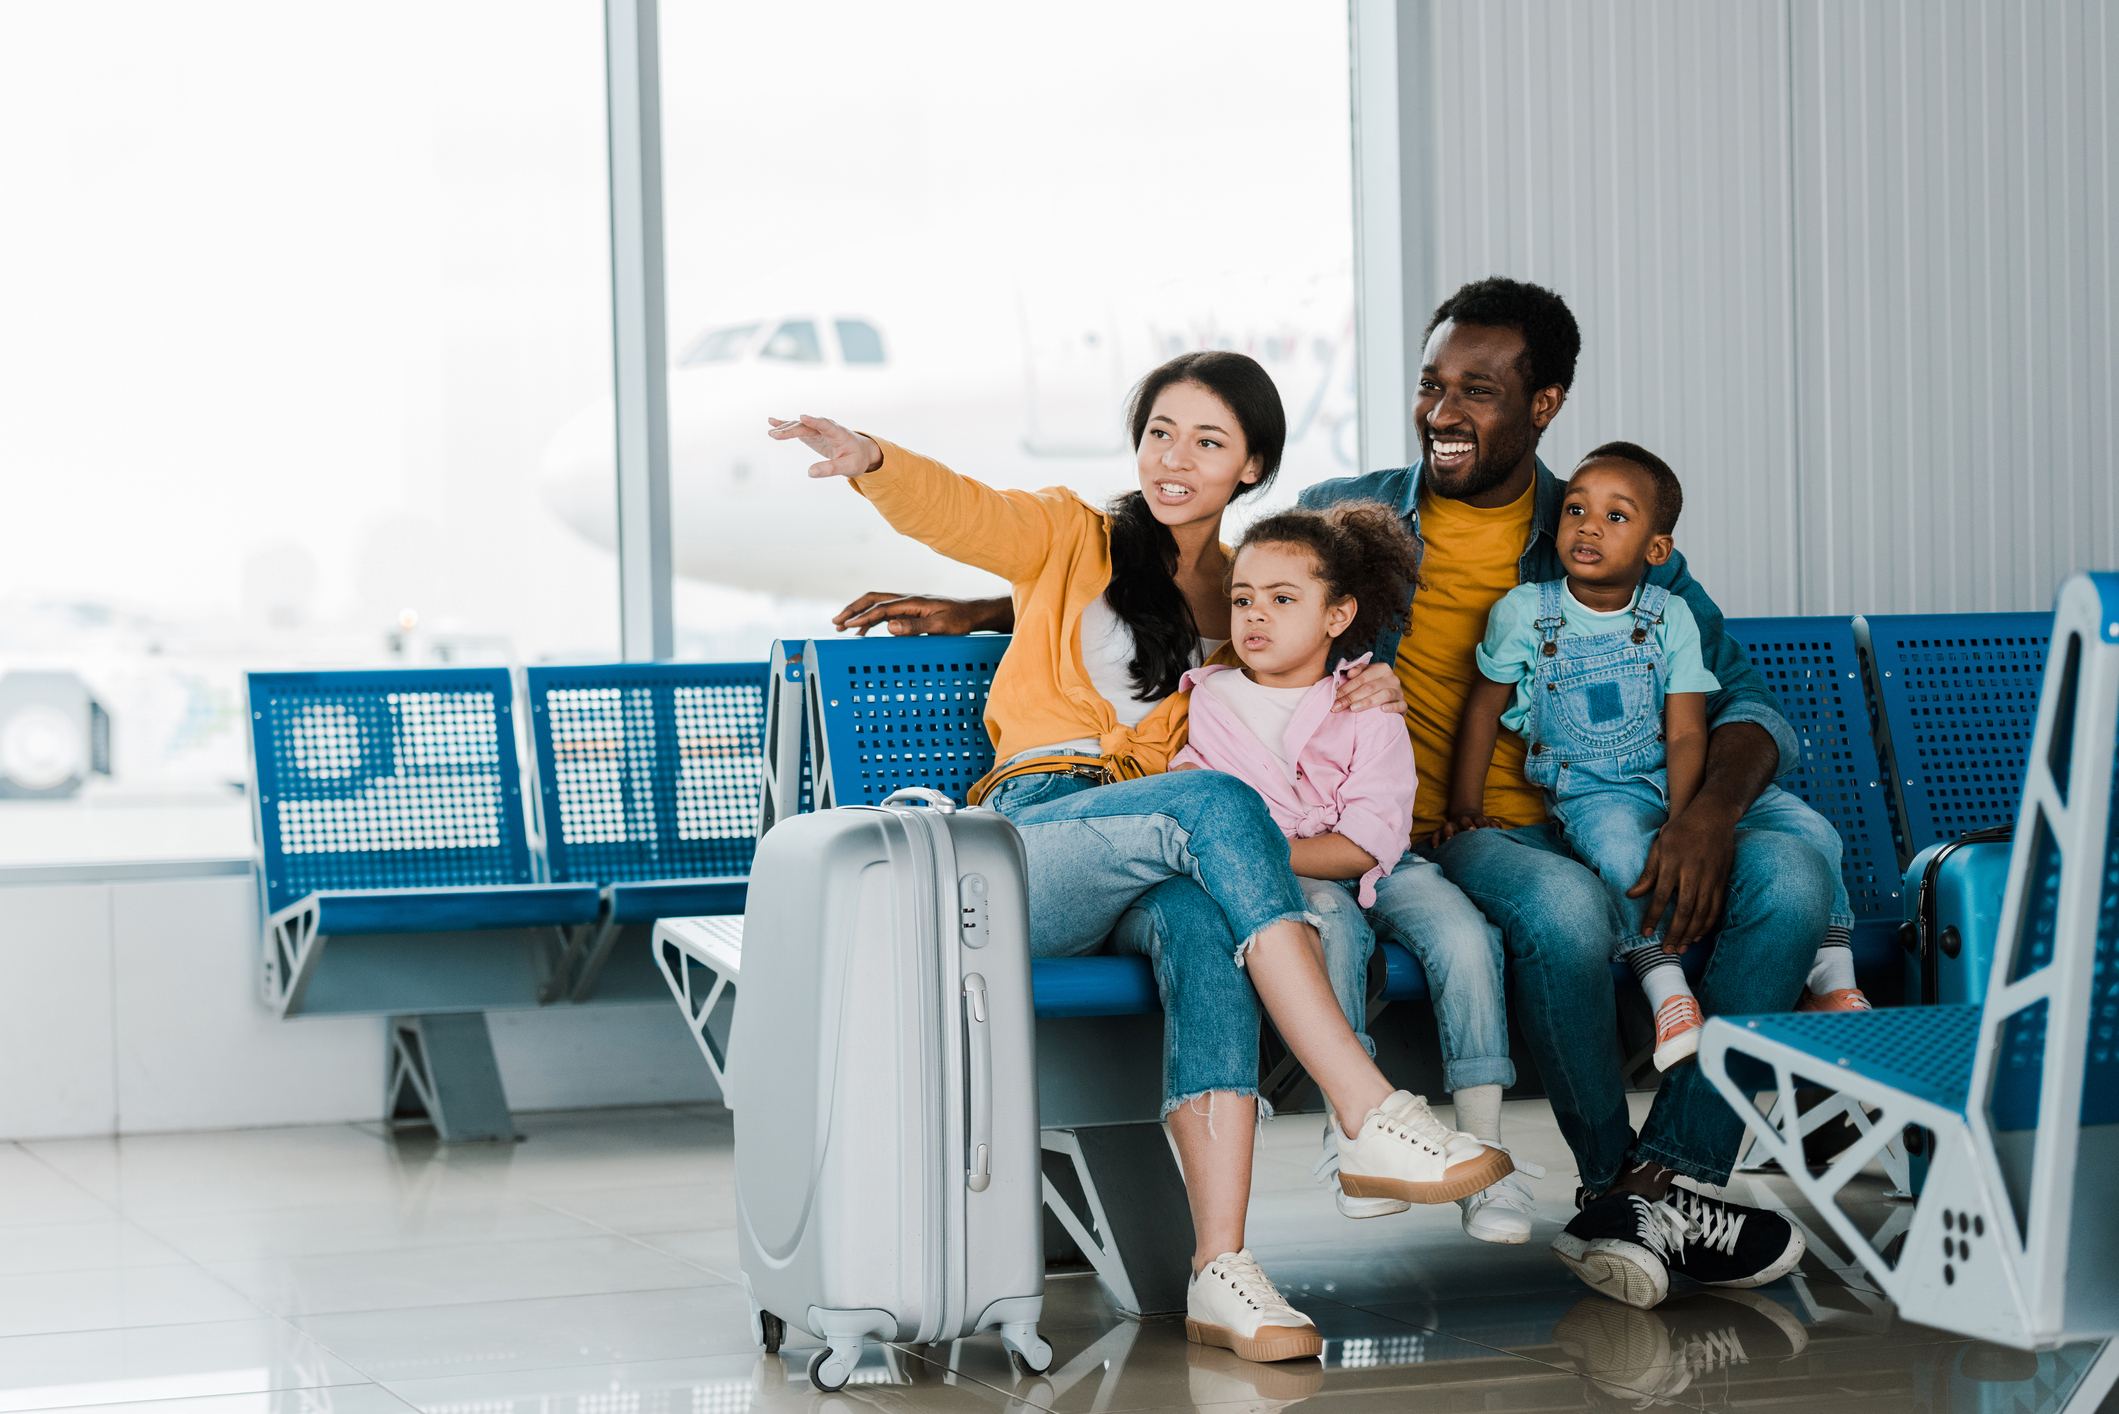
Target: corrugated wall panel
x: 1847, y: 263
x: 1954, y: 245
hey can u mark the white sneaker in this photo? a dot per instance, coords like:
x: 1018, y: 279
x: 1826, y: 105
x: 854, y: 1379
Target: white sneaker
x: 1327, y: 1171
x: 1232, y: 1305
x: 1502, y: 1212
x: 1403, y: 1151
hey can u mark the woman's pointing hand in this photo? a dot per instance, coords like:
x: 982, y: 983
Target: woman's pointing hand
x: 845, y: 451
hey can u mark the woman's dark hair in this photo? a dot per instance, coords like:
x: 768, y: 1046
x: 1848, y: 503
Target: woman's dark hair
x: 1362, y: 552
x: 1144, y: 592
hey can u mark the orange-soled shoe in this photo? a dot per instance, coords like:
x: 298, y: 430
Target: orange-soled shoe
x: 1677, y: 1031
x: 1845, y: 999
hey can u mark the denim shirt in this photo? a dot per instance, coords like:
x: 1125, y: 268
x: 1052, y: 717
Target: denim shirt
x: 1744, y: 696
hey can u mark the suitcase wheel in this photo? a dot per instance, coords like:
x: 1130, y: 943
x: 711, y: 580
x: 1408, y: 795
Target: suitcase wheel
x: 1028, y: 1354
x: 771, y: 1331
x: 830, y: 1368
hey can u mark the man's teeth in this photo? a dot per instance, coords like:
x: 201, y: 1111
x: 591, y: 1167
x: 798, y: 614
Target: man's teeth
x: 1451, y: 449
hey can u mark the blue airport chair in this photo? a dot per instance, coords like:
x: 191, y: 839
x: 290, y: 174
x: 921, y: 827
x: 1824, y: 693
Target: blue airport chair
x: 1955, y: 696
x: 649, y: 777
x: 397, y: 871
x: 2012, y: 1238
x: 787, y: 785
x: 887, y: 713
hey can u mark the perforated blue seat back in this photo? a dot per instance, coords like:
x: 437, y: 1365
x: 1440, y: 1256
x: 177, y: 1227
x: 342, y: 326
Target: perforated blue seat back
x: 649, y: 770
x: 899, y: 712
x: 1959, y: 694
x: 1812, y: 667
x: 392, y: 779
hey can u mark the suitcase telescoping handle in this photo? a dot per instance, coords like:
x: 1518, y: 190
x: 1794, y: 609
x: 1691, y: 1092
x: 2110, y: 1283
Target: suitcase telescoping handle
x: 980, y: 1140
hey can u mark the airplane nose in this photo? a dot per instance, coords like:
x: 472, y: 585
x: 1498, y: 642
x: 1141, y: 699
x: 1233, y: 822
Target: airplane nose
x: 579, y: 474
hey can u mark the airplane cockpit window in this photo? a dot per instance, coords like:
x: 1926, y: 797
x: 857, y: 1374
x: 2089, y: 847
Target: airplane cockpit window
x: 718, y: 345
x: 860, y: 341
x: 795, y: 341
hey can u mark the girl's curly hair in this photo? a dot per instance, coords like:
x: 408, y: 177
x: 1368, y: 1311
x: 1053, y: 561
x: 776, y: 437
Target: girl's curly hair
x: 1362, y: 552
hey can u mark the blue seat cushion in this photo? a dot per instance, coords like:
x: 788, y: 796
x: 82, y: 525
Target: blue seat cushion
x: 677, y: 898
x: 343, y: 911
x: 1925, y: 1051
x: 1093, y: 986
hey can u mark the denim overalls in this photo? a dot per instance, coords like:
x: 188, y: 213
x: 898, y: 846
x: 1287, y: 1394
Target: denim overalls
x: 1595, y: 738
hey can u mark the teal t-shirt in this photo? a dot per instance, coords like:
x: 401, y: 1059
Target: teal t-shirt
x: 1510, y: 652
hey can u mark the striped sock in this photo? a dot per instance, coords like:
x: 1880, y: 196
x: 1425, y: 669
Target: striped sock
x: 1834, y: 969
x: 1660, y: 976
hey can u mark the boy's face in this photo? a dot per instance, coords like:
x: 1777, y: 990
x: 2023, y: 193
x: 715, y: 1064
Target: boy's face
x: 1607, y: 525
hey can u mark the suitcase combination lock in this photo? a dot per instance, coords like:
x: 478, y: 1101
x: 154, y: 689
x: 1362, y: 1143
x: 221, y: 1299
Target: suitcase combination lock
x: 971, y: 909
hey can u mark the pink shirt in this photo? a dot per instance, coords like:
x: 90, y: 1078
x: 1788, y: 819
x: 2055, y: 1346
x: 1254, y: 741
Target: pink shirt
x: 1353, y: 770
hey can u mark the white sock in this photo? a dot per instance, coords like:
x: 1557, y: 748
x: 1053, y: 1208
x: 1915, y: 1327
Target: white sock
x: 1661, y: 977
x: 1834, y: 969
x: 1479, y: 1111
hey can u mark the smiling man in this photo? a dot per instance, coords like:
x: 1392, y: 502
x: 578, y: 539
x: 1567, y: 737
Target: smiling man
x: 1499, y: 359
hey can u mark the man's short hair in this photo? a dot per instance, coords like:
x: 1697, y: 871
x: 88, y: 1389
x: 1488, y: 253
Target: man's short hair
x: 1669, y: 493
x: 1552, y: 341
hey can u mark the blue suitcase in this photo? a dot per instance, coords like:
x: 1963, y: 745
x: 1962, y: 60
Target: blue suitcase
x: 1952, y: 896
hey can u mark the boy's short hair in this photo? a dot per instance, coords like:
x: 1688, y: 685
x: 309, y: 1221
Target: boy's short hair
x: 1552, y: 341
x: 1669, y: 492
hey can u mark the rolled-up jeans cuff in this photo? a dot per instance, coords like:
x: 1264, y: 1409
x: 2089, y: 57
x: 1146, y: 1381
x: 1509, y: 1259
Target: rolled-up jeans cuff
x: 1465, y: 1072
x: 1174, y: 1104
x: 1683, y: 1163
x: 1297, y: 916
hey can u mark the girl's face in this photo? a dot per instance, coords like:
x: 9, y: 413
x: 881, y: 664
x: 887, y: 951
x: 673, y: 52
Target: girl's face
x: 1192, y: 457
x: 1281, y: 615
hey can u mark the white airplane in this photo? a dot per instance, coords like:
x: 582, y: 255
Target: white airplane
x: 1012, y: 369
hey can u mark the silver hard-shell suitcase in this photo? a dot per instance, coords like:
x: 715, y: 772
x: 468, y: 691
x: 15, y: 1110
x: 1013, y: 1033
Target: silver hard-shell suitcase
x: 887, y: 1171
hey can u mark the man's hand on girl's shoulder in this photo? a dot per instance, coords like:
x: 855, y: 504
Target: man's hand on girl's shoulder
x: 1375, y: 686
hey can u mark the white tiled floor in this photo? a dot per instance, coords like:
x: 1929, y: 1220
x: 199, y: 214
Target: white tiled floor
x: 591, y: 1270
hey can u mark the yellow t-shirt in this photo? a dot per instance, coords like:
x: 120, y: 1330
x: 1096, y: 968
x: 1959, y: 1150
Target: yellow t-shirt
x: 1471, y: 562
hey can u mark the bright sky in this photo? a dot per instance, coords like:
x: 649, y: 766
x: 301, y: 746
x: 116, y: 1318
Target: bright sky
x: 314, y: 284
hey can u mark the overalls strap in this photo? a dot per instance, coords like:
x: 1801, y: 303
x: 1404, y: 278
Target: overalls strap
x: 1551, y: 618
x: 1648, y: 611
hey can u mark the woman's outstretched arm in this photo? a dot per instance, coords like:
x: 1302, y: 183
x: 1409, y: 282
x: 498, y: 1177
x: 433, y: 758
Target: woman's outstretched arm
x: 1008, y: 533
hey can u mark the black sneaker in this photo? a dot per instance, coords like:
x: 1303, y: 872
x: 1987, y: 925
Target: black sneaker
x: 1728, y: 1244
x: 1623, y: 1246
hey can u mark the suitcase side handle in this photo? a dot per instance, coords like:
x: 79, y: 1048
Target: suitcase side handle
x: 913, y: 794
x: 979, y: 1173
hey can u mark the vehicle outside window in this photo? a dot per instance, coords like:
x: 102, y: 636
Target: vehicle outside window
x: 719, y: 345
x: 795, y: 341
x: 860, y: 341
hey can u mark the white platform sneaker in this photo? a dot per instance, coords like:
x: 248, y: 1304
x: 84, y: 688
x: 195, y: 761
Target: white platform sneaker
x: 1327, y: 1171
x: 1502, y: 1212
x: 1232, y: 1305
x: 1402, y: 1151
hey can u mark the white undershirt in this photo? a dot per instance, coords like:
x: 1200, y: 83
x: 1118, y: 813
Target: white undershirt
x: 1107, y: 649
x: 1264, y: 711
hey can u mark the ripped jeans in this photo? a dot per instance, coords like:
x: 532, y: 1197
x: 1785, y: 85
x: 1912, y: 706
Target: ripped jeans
x: 1183, y: 869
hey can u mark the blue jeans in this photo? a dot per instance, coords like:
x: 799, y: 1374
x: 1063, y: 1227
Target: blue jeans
x: 1612, y: 827
x: 1458, y: 949
x: 1560, y: 928
x: 1186, y: 869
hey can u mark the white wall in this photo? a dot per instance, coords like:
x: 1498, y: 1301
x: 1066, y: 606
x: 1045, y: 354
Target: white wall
x: 132, y: 1006
x: 1846, y: 263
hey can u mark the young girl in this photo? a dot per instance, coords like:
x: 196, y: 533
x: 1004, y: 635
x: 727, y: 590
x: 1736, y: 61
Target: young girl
x: 1603, y: 677
x: 1113, y: 605
x: 1305, y: 588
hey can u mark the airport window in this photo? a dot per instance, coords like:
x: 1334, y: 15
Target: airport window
x: 794, y: 342
x: 425, y: 484
x: 719, y: 345
x: 859, y: 341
